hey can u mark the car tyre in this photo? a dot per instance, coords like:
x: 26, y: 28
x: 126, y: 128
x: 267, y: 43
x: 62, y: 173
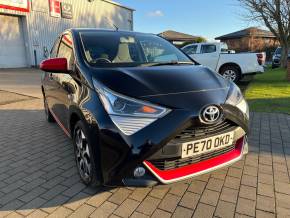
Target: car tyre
x: 231, y: 73
x: 48, y: 114
x: 85, y: 155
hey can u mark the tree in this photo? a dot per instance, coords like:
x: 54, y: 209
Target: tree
x: 275, y: 15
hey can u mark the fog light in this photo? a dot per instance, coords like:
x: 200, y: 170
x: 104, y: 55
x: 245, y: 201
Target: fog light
x: 139, y: 172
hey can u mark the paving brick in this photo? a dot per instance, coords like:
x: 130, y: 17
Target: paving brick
x: 197, y: 186
x: 266, y: 203
x: 120, y: 196
x: 249, y: 180
x: 126, y: 208
x: 160, y: 213
x: 105, y: 210
x: 53, y: 192
x: 140, y: 193
x: 248, y: 192
x: 52, y: 204
x: 190, y: 200
x: 169, y: 202
x: 229, y: 195
x: 98, y: 199
x: 11, y: 196
x: 266, y: 190
x: 148, y: 205
x: 139, y: 215
x: 83, y: 211
x: 235, y: 172
x: 182, y: 212
x: 204, y: 211
x: 215, y: 184
x: 210, y: 197
x: 77, y: 201
x: 14, y: 215
x: 282, y: 187
x: 32, y: 194
x: 159, y: 192
x: 282, y: 200
x: 225, y: 209
x: 60, y: 212
x: 74, y: 189
x: 232, y: 182
x: 30, y: 206
x: 265, y: 178
x: 178, y: 189
x: 246, y: 207
x: 37, y: 214
x: 263, y: 214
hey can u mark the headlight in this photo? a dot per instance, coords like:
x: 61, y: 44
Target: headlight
x: 236, y: 98
x: 128, y: 114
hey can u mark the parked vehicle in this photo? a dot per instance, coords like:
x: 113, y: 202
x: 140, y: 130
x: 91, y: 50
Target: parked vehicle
x: 139, y: 111
x: 276, y: 60
x: 230, y: 65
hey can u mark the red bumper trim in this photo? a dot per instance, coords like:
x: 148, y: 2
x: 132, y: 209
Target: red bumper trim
x: 167, y: 176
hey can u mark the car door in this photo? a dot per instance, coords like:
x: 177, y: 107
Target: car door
x: 64, y: 81
x: 190, y: 50
x: 49, y: 83
x: 208, y: 56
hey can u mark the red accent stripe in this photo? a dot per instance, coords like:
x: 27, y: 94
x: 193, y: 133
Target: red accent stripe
x: 60, y: 124
x: 198, y: 167
x: 16, y: 8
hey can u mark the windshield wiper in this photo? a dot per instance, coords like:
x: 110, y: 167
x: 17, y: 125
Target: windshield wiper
x: 167, y: 63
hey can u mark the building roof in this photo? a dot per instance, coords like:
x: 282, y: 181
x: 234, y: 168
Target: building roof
x: 173, y: 35
x: 118, y: 4
x: 252, y: 31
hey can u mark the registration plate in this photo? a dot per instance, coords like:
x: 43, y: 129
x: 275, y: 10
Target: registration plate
x: 207, y: 145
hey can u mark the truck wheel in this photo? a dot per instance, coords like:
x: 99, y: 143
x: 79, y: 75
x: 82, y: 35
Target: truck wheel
x: 231, y: 73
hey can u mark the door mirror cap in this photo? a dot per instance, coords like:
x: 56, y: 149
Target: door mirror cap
x: 55, y: 65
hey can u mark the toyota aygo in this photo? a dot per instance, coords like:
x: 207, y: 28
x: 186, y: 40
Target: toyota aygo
x: 139, y: 111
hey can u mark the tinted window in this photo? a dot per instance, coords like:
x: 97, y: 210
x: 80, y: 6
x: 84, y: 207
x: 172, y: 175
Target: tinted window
x: 208, y: 48
x: 129, y: 49
x: 66, y: 50
x: 190, y: 49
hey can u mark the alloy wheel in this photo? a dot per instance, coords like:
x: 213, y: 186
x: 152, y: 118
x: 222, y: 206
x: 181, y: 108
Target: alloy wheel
x: 83, y: 156
x: 230, y: 75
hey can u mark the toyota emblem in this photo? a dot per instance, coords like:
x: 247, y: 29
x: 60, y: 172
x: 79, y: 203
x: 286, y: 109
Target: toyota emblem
x: 211, y: 114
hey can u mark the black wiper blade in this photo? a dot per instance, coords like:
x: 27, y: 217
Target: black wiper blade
x: 167, y: 63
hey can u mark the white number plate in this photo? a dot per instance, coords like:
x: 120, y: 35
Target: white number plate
x: 207, y: 145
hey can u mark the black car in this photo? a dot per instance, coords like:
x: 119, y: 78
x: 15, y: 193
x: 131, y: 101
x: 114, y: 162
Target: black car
x: 276, y: 59
x: 140, y: 111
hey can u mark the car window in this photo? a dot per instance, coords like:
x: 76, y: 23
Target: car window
x: 128, y: 49
x: 54, y: 49
x: 190, y: 49
x: 66, y: 50
x: 208, y: 48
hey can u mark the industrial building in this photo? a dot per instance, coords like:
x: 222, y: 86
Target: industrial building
x: 28, y: 28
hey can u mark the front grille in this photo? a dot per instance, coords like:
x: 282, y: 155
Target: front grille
x: 193, y: 132
x: 169, y: 157
x: 173, y: 163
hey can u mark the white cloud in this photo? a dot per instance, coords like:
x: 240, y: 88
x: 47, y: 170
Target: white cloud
x: 156, y: 13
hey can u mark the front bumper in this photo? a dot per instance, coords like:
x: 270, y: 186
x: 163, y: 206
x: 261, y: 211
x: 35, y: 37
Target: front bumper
x: 196, y: 169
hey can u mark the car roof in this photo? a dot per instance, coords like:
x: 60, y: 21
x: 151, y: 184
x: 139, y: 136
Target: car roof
x: 100, y: 30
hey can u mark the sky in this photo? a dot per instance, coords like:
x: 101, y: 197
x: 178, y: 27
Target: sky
x: 207, y: 18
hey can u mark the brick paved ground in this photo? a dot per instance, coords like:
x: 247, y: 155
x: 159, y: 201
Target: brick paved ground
x: 38, y: 177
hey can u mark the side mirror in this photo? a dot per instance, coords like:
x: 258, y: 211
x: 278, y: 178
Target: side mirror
x: 54, y: 65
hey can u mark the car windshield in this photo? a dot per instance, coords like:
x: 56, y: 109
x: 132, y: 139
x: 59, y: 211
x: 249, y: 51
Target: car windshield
x: 279, y: 51
x: 109, y: 49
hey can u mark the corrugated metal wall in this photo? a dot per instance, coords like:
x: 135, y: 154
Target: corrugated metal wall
x: 41, y: 29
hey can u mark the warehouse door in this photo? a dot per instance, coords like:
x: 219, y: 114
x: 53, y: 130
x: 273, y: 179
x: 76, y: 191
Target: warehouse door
x: 12, y: 48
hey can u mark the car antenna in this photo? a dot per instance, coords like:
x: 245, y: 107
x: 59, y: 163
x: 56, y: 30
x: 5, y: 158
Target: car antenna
x: 112, y: 24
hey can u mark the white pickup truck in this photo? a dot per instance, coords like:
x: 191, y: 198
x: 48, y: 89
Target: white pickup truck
x: 231, y: 65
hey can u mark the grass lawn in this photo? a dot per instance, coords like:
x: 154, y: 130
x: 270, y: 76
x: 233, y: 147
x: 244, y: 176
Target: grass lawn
x: 269, y: 92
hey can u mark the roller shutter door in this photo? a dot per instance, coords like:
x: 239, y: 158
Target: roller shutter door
x: 12, y: 47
